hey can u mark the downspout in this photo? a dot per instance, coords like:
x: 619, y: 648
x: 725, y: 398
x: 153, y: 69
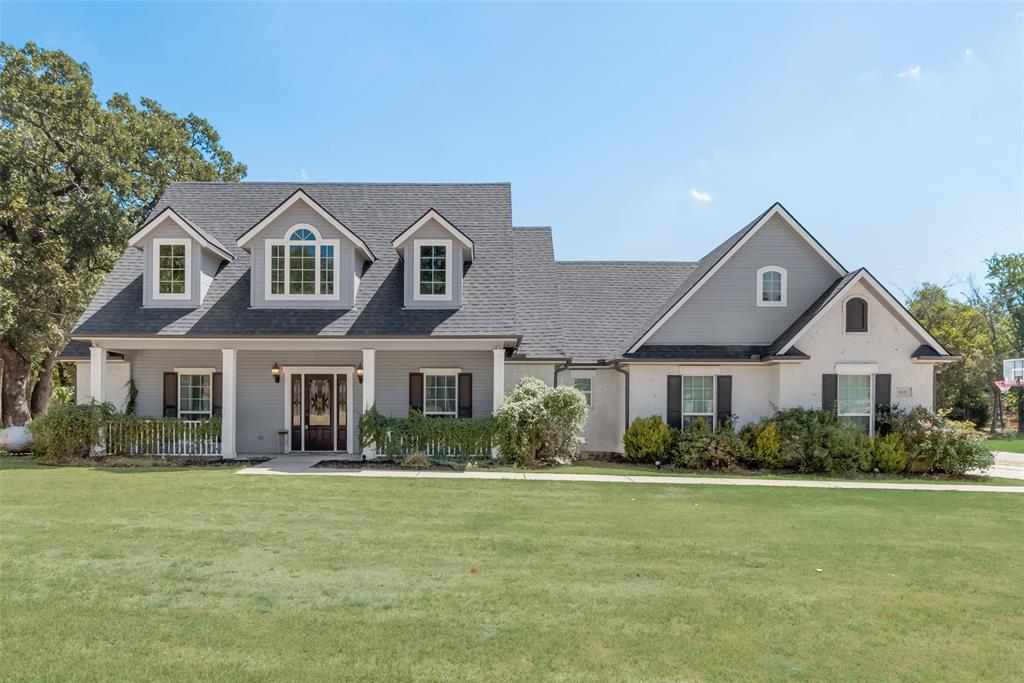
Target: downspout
x: 625, y: 418
x: 560, y: 368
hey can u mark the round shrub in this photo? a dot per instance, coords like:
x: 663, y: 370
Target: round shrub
x: 935, y: 443
x: 538, y: 423
x: 763, y: 445
x: 886, y: 454
x: 649, y: 439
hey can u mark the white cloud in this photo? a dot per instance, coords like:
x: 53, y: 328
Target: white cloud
x: 968, y: 53
x: 302, y: 173
x: 702, y: 197
x: 912, y: 72
x: 1019, y: 15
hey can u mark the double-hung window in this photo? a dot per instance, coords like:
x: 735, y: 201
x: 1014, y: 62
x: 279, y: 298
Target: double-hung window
x: 440, y: 395
x: 432, y: 270
x: 698, y: 400
x: 195, y: 395
x: 172, y: 262
x: 302, y: 266
x: 586, y: 386
x: 853, y: 400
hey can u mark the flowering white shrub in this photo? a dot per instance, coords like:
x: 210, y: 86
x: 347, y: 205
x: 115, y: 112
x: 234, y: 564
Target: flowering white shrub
x: 538, y: 423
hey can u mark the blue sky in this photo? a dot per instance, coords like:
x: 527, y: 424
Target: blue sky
x: 894, y: 133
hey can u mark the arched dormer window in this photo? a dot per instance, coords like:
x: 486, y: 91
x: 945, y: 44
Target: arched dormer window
x: 856, y: 315
x: 303, y: 265
x: 771, y: 286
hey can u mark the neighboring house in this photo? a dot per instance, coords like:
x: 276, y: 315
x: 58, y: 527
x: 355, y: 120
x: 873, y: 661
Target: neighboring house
x: 288, y: 309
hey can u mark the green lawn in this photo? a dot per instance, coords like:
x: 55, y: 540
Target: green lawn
x: 1008, y: 445
x: 184, y: 574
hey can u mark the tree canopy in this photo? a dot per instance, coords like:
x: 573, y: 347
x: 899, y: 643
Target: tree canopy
x: 77, y: 177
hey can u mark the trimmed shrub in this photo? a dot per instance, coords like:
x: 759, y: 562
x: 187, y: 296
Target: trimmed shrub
x: 539, y: 424
x: 817, y: 441
x: 649, y: 439
x: 763, y: 445
x: 399, y: 436
x: 68, y: 432
x: 692, y: 445
x: 886, y: 454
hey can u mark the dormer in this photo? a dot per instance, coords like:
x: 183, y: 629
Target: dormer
x: 434, y: 253
x: 179, y: 261
x: 304, y: 257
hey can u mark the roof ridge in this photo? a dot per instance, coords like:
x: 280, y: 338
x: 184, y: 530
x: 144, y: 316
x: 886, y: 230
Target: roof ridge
x: 624, y: 262
x: 335, y: 183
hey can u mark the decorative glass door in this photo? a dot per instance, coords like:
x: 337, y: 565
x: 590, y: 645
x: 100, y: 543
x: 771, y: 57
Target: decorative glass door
x: 319, y: 404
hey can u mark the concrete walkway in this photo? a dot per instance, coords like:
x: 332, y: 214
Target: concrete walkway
x: 1008, y: 466
x: 303, y: 465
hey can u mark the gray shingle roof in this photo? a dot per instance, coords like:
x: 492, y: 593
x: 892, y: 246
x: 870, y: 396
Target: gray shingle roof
x: 603, y: 303
x: 375, y: 212
x: 536, y: 294
x: 706, y: 352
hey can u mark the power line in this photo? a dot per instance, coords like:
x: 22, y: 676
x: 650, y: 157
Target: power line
x: 959, y: 246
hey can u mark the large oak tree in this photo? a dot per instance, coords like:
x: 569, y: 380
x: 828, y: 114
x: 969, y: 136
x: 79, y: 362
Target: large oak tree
x: 77, y: 177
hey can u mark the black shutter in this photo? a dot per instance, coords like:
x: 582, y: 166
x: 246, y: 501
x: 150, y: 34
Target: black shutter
x: 883, y: 391
x: 829, y: 391
x: 170, y: 394
x: 465, y: 394
x: 723, y: 399
x: 218, y: 393
x: 856, y: 315
x: 674, y: 410
x: 416, y: 391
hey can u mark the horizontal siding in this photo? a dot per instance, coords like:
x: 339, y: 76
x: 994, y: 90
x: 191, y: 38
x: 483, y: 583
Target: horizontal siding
x: 149, y: 366
x: 724, y: 310
x: 261, y: 408
x: 393, y: 368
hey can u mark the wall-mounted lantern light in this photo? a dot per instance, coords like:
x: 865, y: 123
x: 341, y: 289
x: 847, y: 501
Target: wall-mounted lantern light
x: 359, y: 373
x: 275, y: 372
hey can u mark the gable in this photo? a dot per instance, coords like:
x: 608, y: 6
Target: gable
x: 432, y: 225
x: 724, y: 310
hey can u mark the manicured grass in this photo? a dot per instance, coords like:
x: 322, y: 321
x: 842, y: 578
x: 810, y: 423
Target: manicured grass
x: 184, y: 574
x: 1008, y: 445
x: 595, y: 467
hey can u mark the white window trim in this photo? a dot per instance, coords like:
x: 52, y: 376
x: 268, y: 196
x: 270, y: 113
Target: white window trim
x: 286, y: 242
x: 447, y: 244
x: 871, y: 395
x: 589, y: 393
x: 441, y: 372
x: 714, y: 398
x: 760, y: 286
x: 867, y: 314
x: 172, y: 241
x: 208, y: 372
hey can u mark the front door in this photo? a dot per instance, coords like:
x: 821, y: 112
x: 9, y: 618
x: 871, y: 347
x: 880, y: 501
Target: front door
x: 319, y: 403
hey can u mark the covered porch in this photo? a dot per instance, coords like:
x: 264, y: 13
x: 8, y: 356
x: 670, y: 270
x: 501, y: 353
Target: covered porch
x: 280, y: 396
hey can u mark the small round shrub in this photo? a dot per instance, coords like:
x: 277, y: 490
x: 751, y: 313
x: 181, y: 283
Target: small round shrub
x: 649, y: 439
x: 886, y: 454
x: 763, y: 445
x: 935, y: 443
x: 540, y: 424
x: 692, y: 445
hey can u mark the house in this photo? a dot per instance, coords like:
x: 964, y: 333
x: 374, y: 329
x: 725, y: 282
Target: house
x: 288, y: 309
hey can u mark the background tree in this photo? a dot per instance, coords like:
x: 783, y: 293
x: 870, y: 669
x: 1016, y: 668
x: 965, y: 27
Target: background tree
x: 1006, y: 289
x: 77, y: 177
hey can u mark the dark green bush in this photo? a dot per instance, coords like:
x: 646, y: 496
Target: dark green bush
x: 817, y: 441
x: 649, y: 439
x: 68, y: 432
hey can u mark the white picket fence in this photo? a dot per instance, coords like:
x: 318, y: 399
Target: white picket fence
x: 162, y: 437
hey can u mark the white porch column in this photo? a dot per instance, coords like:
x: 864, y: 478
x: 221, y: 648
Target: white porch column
x: 97, y: 372
x: 369, y: 378
x: 499, y: 378
x: 228, y: 416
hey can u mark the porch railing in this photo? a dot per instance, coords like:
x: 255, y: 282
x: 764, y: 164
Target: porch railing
x: 169, y: 436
